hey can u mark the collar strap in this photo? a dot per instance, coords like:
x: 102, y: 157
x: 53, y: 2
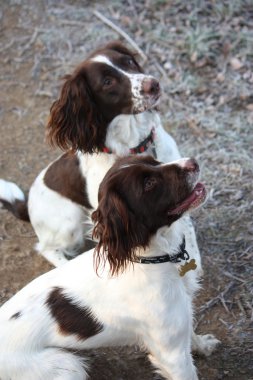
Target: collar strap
x: 181, y: 255
x: 142, y: 147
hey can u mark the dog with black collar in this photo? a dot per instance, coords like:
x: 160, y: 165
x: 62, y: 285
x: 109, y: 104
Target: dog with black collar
x: 131, y: 289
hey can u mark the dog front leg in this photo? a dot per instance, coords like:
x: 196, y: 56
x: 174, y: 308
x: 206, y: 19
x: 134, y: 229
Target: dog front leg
x: 173, y: 363
x: 204, y: 344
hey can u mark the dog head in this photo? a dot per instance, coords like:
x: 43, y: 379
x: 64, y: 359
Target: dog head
x: 138, y: 196
x: 110, y: 82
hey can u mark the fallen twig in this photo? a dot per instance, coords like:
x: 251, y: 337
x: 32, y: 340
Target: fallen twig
x: 214, y: 300
x: 240, y: 306
x: 224, y: 304
x: 29, y: 44
x: 227, y: 274
x: 121, y: 33
x: 162, y: 71
x: 47, y: 94
x: 7, y: 46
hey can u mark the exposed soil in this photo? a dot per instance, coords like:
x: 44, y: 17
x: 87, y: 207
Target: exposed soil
x: 202, y: 52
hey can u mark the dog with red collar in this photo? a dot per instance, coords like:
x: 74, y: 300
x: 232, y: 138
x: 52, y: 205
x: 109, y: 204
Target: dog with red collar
x: 106, y: 109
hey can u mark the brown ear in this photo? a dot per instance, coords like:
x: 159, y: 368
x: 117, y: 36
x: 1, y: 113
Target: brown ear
x: 119, y: 233
x: 73, y: 122
x: 119, y: 47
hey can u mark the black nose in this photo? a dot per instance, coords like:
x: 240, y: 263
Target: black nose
x: 155, y: 87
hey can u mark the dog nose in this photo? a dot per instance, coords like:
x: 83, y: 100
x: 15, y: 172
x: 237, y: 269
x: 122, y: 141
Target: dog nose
x: 150, y: 86
x: 189, y: 164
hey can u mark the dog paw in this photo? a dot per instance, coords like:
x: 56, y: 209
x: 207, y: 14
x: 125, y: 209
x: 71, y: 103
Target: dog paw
x: 204, y: 344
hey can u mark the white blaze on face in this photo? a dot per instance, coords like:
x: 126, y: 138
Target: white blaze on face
x: 183, y: 163
x: 141, y: 101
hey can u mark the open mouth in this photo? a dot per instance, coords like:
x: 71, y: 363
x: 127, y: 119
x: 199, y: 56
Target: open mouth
x: 146, y: 102
x: 195, y: 199
x: 155, y: 98
x: 151, y: 101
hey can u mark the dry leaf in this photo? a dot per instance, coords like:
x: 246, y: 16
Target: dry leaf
x: 226, y: 48
x: 126, y: 20
x: 194, y: 57
x: 249, y: 107
x: 193, y: 125
x: 222, y: 100
x: 236, y: 64
x: 168, y: 65
x: 201, y: 62
x: 220, y: 77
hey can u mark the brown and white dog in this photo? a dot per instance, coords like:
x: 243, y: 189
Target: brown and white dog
x: 128, y: 290
x: 107, y: 108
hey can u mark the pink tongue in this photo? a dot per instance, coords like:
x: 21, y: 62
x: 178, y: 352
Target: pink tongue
x: 199, y: 187
x: 197, y: 191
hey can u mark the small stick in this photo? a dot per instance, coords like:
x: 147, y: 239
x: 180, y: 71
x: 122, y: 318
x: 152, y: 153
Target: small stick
x: 162, y: 71
x: 227, y: 274
x: 224, y: 322
x: 121, y: 33
x: 8, y: 236
x: 32, y: 40
x: 7, y: 46
x: 216, y: 299
x: 239, y: 304
x: 224, y: 304
x: 198, y: 321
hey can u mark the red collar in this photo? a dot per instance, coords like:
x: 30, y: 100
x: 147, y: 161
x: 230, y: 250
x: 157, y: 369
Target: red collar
x: 142, y: 147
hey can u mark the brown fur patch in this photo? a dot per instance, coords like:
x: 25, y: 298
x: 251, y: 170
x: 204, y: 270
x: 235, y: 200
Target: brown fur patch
x: 17, y: 208
x: 71, y: 318
x: 64, y: 176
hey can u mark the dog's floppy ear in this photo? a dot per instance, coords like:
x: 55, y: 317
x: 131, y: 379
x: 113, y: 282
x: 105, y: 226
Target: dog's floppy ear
x: 73, y: 122
x: 118, y: 231
x: 120, y: 48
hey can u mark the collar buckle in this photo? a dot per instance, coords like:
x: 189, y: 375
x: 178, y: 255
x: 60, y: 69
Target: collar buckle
x: 183, y: 254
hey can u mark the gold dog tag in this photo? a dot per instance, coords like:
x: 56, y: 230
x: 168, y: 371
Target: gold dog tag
x: 191, y: 265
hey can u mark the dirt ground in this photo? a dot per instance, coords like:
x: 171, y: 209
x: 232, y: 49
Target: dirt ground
x: 202, y: 51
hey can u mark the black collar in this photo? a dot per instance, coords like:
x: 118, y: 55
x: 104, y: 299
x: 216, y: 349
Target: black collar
x: 142, y: 147
x: 181, y: 255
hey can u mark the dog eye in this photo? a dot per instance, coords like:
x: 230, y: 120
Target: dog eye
x: 130, y: 62
x: 107, y: 82
x: 149, y: 183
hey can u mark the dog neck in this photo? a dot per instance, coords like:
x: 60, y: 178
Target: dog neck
x: 166, y: 241
x: 181, y: 255
x: 128, y: 131
x: 140, y: 148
